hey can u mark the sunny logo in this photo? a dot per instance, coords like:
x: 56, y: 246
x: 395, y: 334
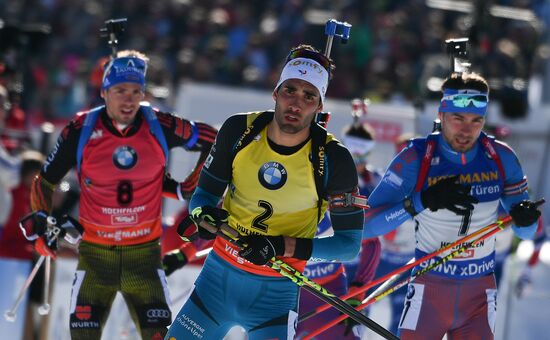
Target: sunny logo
x: 272, y: 175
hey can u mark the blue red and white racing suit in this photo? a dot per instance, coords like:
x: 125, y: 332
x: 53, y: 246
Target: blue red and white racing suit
x: 458, y: 297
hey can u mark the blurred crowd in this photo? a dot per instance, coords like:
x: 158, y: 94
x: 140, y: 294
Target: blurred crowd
x: 53, y: 46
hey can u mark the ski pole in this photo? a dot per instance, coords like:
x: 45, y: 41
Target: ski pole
x: 286, y: 270
x: 381, y: 288
x: 44, y: 308
x: 10, y: 314
x: 406, y: 281
x: 406, y: 267
x: 500, y: 225
x: 385, y: 285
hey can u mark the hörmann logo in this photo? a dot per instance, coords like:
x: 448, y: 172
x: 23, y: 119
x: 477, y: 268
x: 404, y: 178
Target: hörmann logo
x: 476, y: 177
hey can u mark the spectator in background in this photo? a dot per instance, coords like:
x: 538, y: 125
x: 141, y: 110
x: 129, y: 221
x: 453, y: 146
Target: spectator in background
x: 230, y: 43
x: 9, y: 165
x: 16, y: 253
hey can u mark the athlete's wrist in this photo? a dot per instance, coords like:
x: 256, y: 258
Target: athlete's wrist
x: 290, y: 246
x: 302, y: 249
x: 413, y: 204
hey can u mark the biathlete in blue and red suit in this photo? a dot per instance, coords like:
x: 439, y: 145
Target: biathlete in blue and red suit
x: 452, y: 183
x: 120, y: 151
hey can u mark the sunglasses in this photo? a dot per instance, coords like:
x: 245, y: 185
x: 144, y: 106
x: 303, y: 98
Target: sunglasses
x: 467, y: 100
x: 303, y: 53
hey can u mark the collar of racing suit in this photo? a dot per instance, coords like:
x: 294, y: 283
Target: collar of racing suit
x: 456, y: 157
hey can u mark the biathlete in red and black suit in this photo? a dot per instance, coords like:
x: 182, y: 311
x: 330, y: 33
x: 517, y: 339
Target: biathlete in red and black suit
x: 120, y: 151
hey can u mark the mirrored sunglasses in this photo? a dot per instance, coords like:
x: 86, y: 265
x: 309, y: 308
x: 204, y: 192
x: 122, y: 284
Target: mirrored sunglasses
x: 467, y: 100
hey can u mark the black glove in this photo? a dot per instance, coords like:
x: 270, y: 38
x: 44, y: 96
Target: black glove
x: 213, y: 216
x: 260, y: 249
x: 173, y: 260
x: 448, y: 194
x: 524, y: 213
x: 354, y: 302
x: 349, y: 323
x: 48, y: 236
x: 39, y: 222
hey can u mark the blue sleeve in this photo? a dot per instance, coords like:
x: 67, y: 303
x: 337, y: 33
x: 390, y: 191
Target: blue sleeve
x: 386, y: 201
x: 201, y: 198
x: 515, y: 187
x: 344, y: 245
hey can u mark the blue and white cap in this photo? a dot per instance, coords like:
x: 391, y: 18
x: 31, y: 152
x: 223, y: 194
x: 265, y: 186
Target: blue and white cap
x: 308, y: 70
x: 124, y: 70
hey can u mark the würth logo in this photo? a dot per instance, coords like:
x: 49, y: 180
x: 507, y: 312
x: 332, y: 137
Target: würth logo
x: 83, y: 312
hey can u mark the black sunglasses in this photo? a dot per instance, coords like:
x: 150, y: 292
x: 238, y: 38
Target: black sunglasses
x: 318, y: 57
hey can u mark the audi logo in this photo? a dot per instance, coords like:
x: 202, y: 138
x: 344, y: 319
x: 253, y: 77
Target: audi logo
x: 158, y: 313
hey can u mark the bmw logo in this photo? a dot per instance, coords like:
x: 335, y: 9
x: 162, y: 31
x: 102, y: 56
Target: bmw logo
x: 124, y: 157
x: 272, y: 175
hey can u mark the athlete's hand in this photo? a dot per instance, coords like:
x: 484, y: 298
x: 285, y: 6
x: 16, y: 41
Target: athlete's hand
x: 260, y: 249
x: 448, y: 194
x: 349, y: 323
x: 173, y: 260
x: 215, y: 217
x: 525, y: 213
x: 43, y: 245
x: 39, y: 222
x: 46, y: 248
x: 353, y: 301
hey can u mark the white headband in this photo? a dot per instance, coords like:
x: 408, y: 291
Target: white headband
x: 308, y: 70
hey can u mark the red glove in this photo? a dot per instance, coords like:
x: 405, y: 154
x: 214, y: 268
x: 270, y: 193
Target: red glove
x: 42, y: 248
